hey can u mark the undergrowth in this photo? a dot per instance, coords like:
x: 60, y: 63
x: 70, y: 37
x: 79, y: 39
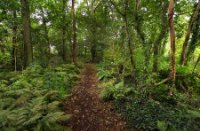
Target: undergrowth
x: 150, y: 107
x: 33, y: 99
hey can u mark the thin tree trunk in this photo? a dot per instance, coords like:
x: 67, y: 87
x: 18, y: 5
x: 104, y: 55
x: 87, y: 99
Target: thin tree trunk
x: 172, y: 41
x: 138, y: 27
x: 74, y: 42
x: 194, y: 40
x: 28, y: 52
x: 138, y: 22
x: 187, y: 37
x: 197, y: 62
x: 46, y: 34
x: 93, y: 45
x: 14, y: 40
x: 125, y: 19
x: 160, y: 37
x: 129, y: 43
x: 64, y: 33
x: 130, y: 47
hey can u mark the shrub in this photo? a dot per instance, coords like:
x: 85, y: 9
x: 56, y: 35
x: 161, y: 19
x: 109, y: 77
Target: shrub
x: 149, y: 114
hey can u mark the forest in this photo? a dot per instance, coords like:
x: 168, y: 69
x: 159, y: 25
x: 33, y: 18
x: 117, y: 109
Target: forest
x: 100, y: 65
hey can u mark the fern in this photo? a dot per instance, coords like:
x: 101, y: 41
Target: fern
x: 39, y: 109
x: 32, y: 100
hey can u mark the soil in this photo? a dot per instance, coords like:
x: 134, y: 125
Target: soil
x: 89, y: 112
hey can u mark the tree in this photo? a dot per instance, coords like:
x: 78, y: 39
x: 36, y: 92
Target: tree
x: 14, y: 40
x: 161, y: 36
x: 44, y: 22
x: 28, y: 53
x: 172, y: 41
x: 124, y: 16
x: 194, y: 42
x: 64, y: 52
x: 74, y: 42
x: 187, y: 37
x: 197, y: 62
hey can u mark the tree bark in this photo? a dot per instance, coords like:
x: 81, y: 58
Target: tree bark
x: 28, y: 53
x: 172, y: 41
x: 187, y: 37
x: 74, y: 42
x: 161, y: 36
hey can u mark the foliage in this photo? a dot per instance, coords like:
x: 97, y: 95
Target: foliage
x: 104, y: 74
x: 60, y: 78
x: 116, y: 91
x: 32, y: 100
x: 29, y: 108
x: 131, y: 41
x: 149, y: 107
x: 149, y: 114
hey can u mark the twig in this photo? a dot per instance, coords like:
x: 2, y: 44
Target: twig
x: 163, y: 81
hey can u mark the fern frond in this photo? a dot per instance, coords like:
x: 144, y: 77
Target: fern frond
x: 53, y: 106
x: 33, y: 119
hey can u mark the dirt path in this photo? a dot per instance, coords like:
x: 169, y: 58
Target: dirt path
x: 89, y: 112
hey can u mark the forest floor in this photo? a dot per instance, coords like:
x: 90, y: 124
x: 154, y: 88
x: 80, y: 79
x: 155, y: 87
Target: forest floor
x: 89, y: 112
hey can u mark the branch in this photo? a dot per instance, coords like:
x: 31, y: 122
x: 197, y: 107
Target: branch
x: 163, y: 81
x: 88, y: 8
x: 198, y: 59
x: 117, y: 9
x: 197, y: 75
x: 98, y: 4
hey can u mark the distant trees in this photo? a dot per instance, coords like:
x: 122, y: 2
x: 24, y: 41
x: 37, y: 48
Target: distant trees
x: 136, y: 29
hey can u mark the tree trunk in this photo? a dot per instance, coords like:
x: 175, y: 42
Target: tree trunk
x: 160, y: 37
x: 197, y: 62
x: 187, y: 37
x: 74, y: 42
x: 194, y: 40
x: 94, y: 41
x: 141, y: 34
x: 138, y: 22
x: 172, y: 41
x: 28, y: 53
x: 14, y: 40
x: 129, y: 44
x: 46, y: 34
x: 64, y: 54
x: 93, y: 52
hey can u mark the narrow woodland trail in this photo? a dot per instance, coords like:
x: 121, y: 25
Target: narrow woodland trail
x: 89, y: 112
